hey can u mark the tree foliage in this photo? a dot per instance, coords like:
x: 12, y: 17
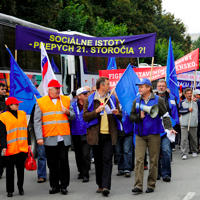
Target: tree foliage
x: 105, y: 18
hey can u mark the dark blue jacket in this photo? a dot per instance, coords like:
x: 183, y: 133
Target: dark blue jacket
x: 148, y: 125
x: 78, y: 125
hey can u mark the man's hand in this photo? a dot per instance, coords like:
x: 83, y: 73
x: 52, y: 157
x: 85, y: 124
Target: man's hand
x: 100, y: 108
x: 40, y: 142
x: 65, y: 110
x: 190, y: 109
x: 4, y: 151
x: 142, y: 114
x: 115, y: 111
x: 173, y: 132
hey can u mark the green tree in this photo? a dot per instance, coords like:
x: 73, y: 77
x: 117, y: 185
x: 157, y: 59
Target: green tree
x: 72, y: 17
x: 104, y: 28
x: 161, y: 51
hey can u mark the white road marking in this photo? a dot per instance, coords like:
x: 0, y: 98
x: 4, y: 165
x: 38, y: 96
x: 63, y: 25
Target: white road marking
x: 189, y: 196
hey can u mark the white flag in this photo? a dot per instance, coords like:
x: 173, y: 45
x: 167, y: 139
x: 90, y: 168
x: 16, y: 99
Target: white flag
x: 46, y: 69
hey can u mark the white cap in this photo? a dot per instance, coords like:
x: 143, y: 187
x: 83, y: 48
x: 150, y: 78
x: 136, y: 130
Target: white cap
x: 81, y: 90
x: 197, y: 91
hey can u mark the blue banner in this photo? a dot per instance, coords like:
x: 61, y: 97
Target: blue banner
x: 58, y: 43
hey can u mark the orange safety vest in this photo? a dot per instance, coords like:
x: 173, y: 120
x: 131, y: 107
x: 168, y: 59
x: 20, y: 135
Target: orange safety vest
x: 17, y: 137
x: 54, y: 121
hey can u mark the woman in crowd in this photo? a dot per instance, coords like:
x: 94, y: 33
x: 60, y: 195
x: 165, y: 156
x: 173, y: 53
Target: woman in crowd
x: 14, y: 142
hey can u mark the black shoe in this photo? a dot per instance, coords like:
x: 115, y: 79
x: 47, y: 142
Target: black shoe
x: 80, y: 176
x: 54, y: 190
x: 149, y: 190
x: 105, y: 192
x: 166, y: 179
x: 85, y: 179
x: 41, y: 180
x: 137, y: 191
x: 127, y: 174
x: 10, y: 194
x: 120, y: 173
x: 21, y: 191
x: 64, y: 191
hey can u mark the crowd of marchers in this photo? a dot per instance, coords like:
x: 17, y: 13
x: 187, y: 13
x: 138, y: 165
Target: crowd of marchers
x: 97, y: 128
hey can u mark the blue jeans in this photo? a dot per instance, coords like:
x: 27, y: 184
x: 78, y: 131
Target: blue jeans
x: 124, y: 152
x: 41, y: 162
x: 165, y: 158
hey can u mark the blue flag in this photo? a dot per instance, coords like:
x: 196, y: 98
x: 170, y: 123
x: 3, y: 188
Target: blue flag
x: 54, y: 67
x: 21, y: 86
x: 111, y: 63
x: 127, y: 89
x: 171, y: 77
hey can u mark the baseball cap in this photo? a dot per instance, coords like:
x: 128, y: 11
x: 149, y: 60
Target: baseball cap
x: 12, y: 100
x: 197, y: 91
x: 81, y: 90
x: 144, y: 81
x: 54, y: 83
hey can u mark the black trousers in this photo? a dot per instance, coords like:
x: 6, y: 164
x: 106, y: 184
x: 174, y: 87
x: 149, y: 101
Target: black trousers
x: 103, y: 161
x: 82, y: 154
x: 17, y: 160
x: 2, y: 163
x: 58, y: 164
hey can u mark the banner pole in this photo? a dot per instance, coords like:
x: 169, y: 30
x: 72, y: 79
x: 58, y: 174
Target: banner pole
x: 152, y: 62
x: 16, y: 55
x: 109, y: 96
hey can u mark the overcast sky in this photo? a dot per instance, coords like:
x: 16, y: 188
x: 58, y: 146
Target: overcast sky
x: 187, y: 10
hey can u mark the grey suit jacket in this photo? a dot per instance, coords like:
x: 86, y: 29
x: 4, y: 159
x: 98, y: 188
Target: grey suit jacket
x: 52, y: 140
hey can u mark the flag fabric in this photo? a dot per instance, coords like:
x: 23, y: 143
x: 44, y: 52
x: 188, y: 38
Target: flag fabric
x: 126, y: 89
x: 53, y: 64
x: 22, y: 87
x: 111, y: 63
x: 46, y: 69
x: 171, y: 76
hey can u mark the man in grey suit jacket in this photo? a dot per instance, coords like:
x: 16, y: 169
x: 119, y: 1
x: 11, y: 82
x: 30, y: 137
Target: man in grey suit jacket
x: 51, y: 125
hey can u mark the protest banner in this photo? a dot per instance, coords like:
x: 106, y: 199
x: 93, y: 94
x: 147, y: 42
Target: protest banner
x: 58, y: 43
x: 187, y: 63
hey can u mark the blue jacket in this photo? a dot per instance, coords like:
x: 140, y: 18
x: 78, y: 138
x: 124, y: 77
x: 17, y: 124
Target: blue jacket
x: 112, y: 101
x: 148, y: 125
x: 78, y: 125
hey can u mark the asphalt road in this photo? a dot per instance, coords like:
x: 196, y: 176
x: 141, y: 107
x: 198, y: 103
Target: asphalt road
x: 185, y: 184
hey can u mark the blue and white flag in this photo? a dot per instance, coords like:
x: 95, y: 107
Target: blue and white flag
x: 21, y: 86
x: 126, y: 89
x: 171, y: 77
x: 111, y: 63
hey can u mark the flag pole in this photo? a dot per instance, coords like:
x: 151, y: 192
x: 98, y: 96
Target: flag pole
x: 152, y: 62
x: 16, y: 55
x: 194, y: 86
x: 112, y: 91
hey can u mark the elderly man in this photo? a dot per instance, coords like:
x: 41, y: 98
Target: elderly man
x: 165, y: 153
x: 188, y: 120
x: 78, y: 132
x: 101, y: 115
x: 148, y: 129
x: 51, y: 124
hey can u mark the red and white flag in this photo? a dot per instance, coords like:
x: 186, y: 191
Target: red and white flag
x: 46, y: 69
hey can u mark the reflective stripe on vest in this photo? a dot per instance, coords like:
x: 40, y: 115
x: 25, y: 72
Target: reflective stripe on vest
x: 54, y: 120
x: 16, y: 139
x: 16, y: 132
x: 15, y: 129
